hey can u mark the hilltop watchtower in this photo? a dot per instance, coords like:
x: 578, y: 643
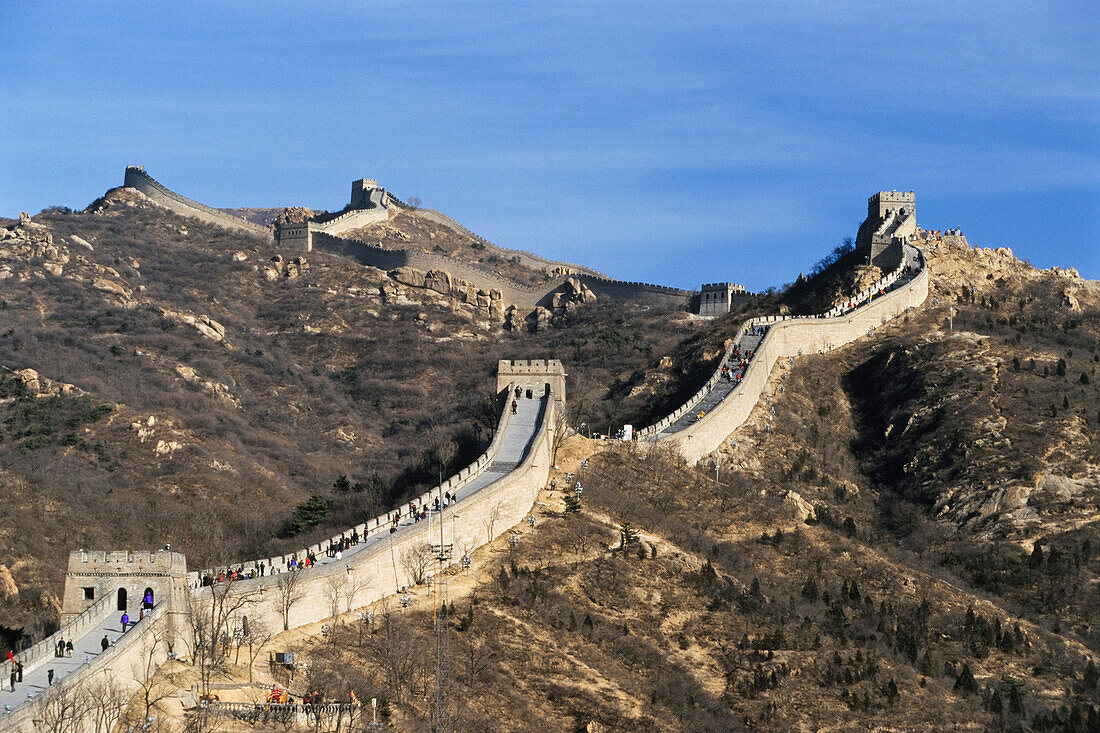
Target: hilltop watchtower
x: 891, y: 221
x: 716, y: 299
x: 365, y: 194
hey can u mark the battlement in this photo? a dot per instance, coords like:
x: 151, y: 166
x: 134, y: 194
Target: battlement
x: 716, y: 299
x: 365, y: 194
x: 125, y: 561
x: 884, y: 203
x: 721, y: 286
x: 532, y: 374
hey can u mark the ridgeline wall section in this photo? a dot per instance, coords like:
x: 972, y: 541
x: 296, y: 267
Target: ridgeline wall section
x: 138, y: 179
x: 786, y: 336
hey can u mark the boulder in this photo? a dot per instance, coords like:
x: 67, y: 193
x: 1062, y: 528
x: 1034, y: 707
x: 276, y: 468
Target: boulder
x: 81, y: 242
x: 30, y: 379
x: 271, y: 274
x: 239, y: 256
x: 54, y: 268
x: 110, y: 286
x: 1069, y: 300
x: 801, y: 508
x: 439, y: 281
x: 496, y: 311
x: 482, y: 299
x: 408, y: 276
x: 539, y: 319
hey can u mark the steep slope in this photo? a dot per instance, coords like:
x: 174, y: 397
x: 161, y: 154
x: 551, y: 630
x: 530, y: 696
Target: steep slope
x: 224, y: 381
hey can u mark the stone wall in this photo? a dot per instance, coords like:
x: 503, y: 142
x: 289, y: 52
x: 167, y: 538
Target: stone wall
x: 379, y: 572
x: 146, y: 644
x: 138, y: 179
x: 791, y: 337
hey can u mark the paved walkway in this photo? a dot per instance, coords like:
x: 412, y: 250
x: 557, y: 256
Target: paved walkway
x: 724, y: 387
x: 85, y: 649
x: 719, y: 392
x: 516, y: 441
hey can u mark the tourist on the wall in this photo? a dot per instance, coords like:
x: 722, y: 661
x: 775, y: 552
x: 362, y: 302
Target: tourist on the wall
x: 69, y: 648
x: 125, y: 621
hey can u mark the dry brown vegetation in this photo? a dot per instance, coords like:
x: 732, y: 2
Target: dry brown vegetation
x: 946, y: 579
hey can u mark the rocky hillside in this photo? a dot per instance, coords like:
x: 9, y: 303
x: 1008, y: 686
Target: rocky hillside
x: 904, y: 537
x: 168, y: 381
x: 910, y: 541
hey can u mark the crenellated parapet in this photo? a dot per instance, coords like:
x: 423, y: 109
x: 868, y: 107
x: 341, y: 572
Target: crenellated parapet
x: 136, y: 178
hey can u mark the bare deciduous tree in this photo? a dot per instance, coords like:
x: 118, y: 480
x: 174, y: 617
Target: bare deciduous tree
x: 494, y: 516
x: 416, y: 559
x: 290, y: 592
x: 212, y: 613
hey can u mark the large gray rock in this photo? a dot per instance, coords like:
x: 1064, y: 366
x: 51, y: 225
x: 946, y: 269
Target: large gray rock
x: 408, y: 276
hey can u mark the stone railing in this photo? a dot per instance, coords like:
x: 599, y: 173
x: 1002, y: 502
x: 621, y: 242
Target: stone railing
x: 138, y: 179
x: 382, y: 568
x: 91, y: 617
x: 283, y: 713
x: 867, y: 295
x: 349, y: 220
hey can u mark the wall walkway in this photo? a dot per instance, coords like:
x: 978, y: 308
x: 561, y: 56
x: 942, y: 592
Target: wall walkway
x: 493, y: 495
x: 904, y: 288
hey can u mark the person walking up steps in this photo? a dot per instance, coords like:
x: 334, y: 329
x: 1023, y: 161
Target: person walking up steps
x: 514, y: 406
x: 69, y: 648
x: 125, y: 621
x: 105, y: 643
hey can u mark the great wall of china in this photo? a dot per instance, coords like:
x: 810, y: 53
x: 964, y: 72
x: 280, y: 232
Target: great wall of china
x: 325, y: 235
x: 494, y: 494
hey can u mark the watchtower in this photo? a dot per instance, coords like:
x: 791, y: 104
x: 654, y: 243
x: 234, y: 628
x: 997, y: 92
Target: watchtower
x: 891, y: 220
x: 125, y: 575
x: 716, y: 299
x: 362, y: 194
x: 534, y: 375
x: 884, y: 203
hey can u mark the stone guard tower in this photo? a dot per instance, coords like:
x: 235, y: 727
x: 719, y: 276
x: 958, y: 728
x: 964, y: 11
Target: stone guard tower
x: 532, y: 374
x: 124, y: 575
x: 717, y: 299
x: 891, y: 220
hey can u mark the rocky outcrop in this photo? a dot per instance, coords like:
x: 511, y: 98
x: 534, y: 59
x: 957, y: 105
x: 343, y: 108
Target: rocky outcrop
x: 489, y: 302
x: 204, y: 324
x: 294, y: 215
x: 39, y: 386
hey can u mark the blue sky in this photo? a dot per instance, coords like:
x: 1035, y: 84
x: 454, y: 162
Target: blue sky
x: 675, y: 143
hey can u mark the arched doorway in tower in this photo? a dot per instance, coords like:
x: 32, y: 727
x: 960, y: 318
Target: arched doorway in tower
x: 122, y: 599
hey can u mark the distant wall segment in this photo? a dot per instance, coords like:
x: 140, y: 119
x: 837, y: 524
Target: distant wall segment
x: 138, y: 179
